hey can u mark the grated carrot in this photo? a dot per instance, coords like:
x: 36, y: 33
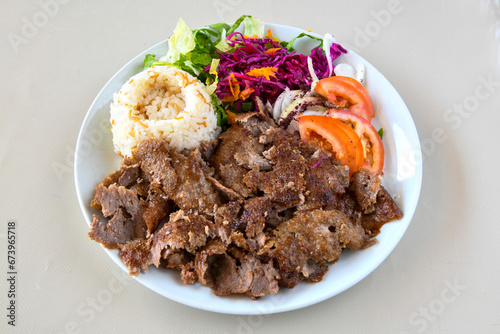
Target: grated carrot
x: 234, y: 87
x: 201, y: 97
x: 270, y: 34
x: 246, y: 93
x: 137, y: 119
x: 168, y: 89
x: 268, y: 51
x: 184, y: 78
x: 176, y: 106
x: 231, y: 117
x: 266, y: 72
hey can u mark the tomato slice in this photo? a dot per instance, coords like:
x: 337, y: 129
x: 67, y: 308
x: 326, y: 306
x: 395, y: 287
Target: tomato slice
x: 334, y: 136
x: 356, y: 152
x: 373, y: 147
x: 340, y: 89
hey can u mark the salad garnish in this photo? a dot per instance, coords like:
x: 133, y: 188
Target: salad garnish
x: 246, y: 68
x: 240, y: 66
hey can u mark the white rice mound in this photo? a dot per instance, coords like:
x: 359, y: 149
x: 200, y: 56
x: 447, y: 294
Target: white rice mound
x: 162, y: 102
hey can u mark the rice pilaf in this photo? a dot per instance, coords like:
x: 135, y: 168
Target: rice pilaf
x: 162, y: 102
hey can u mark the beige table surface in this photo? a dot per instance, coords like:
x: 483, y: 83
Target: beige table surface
x: 443, y: 58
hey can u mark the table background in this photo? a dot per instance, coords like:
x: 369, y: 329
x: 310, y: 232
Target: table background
x: 440, y: 56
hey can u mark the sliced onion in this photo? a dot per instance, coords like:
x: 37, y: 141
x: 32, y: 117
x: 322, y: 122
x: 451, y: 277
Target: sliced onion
x: 345, y: 70
x: 289, y: 98
x: 313, y: 112
x: 269, y: 108
x: 314, y: 77
x: 328, y: 40
x: 361, y: 73
x: 294, y: 126
x: 277, y: 110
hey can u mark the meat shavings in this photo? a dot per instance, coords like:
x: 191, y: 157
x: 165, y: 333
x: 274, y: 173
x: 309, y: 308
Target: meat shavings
x: 220, y: 271
x: 311, y: 239
x: 253, y: 211
x: 385, y: 210
x: 366, y: 187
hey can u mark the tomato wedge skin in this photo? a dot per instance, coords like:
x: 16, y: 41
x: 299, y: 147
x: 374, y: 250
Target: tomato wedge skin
x: 373, y: 147
x: 356, y: 153
x: 338, y: 87
x: 334, y: 136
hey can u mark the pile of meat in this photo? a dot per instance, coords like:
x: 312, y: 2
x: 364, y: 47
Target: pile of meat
x: 249, y: 212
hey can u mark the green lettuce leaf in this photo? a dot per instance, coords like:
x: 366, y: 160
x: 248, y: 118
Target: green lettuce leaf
x: 181, y: 42
x: 149, y: 60
x: 253, y: 26
x: 237, y: 24
x: 222, y: 46
x: 289, y: 45
x: 221, y: 114
x: 211, y: 87
x: 381, y: 133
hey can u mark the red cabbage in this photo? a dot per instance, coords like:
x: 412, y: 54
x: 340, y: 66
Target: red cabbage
x: 292, y: 70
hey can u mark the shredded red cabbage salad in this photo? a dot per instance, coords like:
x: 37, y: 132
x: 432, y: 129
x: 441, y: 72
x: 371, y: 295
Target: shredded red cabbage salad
x: 284, y: 68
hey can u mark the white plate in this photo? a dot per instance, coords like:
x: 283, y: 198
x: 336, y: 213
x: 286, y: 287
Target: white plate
x: 95, y: 159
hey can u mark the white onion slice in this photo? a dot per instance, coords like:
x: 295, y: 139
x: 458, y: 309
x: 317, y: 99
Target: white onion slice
x: 345, y: 70
x: 360, y: 76
x: 314, y: 77
x: 277, y: 110
x: 311, y: 112
x: 328, y: 40
x: 294, y: 126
